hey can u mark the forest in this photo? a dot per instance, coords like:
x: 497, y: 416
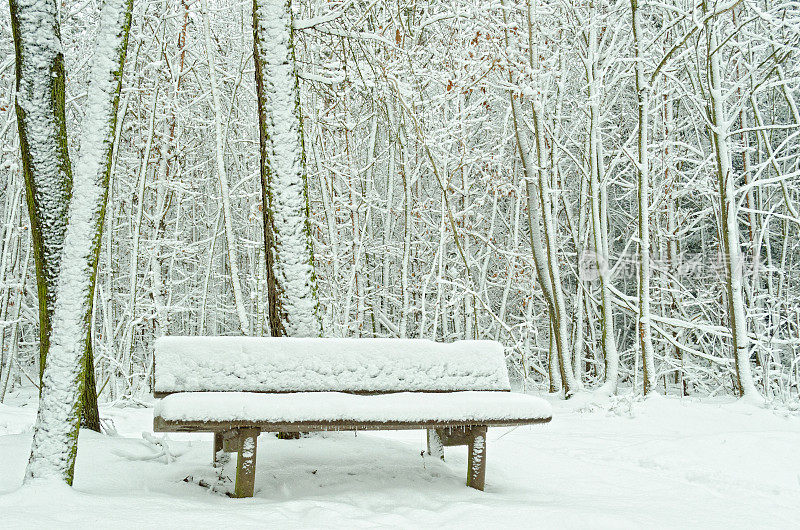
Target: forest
x: 612, y: 194
x: 610, y: 189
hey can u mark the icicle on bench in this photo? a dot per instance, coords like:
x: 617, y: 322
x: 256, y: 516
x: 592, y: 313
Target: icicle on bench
x: 238, y: 387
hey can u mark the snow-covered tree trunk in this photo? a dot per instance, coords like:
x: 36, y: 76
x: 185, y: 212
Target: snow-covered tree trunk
x: 597, y: 192
x: 672, y: 278
x: 43, y: 143
x: 643, y: 102
x: 46, y: 164
x: 544, y: 242
x: 56, y: 431
x: 405, y: 262
x: 719, y: 129
x: 560, y: 326
x: 292, y: 284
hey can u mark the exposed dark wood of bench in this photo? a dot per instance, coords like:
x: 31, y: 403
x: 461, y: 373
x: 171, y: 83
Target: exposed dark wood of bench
x: 162, y: 394
x: 162, y: 425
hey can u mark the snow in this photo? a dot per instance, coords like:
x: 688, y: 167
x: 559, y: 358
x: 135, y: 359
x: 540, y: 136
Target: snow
x: 661, y: 463
x: 267, y: 364
x: 336, y: 406
x: 285, y: 171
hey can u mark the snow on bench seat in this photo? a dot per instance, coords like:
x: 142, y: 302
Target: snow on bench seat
x: 489, y: 408
x: 267, y: 364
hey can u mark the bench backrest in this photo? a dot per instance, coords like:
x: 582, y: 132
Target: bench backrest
x: 280, y: 364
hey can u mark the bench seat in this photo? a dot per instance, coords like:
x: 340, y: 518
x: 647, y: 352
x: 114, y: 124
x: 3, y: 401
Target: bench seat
x: 312, y: 411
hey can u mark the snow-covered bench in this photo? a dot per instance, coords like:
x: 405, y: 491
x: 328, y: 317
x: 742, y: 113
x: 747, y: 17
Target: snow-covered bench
x: 237, y: 387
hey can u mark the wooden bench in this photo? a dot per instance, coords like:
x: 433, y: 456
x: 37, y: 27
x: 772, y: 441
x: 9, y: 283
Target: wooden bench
x: 238, y: 387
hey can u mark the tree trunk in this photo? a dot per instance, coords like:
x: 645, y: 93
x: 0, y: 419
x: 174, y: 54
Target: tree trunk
x: 643, y: 101
x: 543, y: 243
x: 729, y: 227
x: 43, y: 145
x: 55, y: 435
x: 597, y: 192
x: 45, y: 161
x: 291, y: 281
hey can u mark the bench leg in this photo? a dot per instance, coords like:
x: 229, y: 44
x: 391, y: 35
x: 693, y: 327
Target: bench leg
x: 217, y: 448
x: 246, y: 463
x: 435, y: 446
x: 476, y: 465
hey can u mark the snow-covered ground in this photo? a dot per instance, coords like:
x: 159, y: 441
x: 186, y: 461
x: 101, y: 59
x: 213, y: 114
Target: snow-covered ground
x: 661, y: 463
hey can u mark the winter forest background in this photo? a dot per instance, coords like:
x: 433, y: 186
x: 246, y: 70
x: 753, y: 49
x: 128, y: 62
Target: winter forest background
x: 475, y: 170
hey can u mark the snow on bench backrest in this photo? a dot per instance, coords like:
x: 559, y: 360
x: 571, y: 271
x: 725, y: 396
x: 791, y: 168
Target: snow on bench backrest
x: 268, y: 364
